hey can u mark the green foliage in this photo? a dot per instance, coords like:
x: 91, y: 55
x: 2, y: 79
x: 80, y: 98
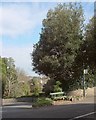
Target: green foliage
x: 42, y: 102
x: 12, y: 85
x: 36, y: 88
x: 90, y: 43
x: 64, y: 49
x: 90, y: 79
x: 87, y: 51
x: 8, y: 76
x: 57, y: 87
x: 22, y: 89
x: 86, y: 58
x: 60, y: 40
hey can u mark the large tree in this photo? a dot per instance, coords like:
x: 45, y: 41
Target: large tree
x: 86, y: 57
x: 90, y: 47
x: 8, y: 76
x: 90, y: 43
x: 60, y: 39
x: 22, y: 87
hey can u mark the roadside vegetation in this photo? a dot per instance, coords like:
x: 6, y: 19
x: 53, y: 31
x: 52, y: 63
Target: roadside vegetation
x: 66, y: 47
x: 40, y: 102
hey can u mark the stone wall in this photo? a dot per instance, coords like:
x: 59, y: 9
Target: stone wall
x: 8, y: 101
x: 79, y: 92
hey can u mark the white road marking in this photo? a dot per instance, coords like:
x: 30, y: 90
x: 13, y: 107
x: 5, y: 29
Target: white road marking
x: 83, y: 115
x: 19, y: 106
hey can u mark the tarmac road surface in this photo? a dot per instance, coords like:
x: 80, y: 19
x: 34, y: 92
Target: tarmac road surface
x: 82, y: 109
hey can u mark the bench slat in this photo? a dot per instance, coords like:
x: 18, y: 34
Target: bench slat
x: 57, y: 93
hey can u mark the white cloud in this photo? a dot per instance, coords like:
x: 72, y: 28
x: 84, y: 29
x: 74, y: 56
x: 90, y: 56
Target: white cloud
x: 19, y: 19
x: 21, y: 55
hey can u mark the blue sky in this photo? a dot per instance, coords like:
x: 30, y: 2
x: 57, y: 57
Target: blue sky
x: 20, y: 25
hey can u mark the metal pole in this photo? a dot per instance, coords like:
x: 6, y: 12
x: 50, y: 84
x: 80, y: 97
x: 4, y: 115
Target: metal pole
x: 84, y: 85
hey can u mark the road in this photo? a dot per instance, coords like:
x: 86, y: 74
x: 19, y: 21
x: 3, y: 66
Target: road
x: 82, y: 109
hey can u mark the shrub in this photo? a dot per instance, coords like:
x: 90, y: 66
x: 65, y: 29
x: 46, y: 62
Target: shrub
x: 42, y: 102
x: 57, y: 87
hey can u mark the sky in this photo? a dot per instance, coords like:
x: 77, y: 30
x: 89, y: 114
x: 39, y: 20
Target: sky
x: 20, y: 25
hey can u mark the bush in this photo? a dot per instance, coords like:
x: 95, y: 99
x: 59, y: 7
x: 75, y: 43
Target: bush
x: 57, y: 87
x: 22, y: 89
x: 42, y: 102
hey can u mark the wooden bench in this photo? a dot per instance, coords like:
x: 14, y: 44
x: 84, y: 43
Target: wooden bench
x: 60, y: 96
x: 57, y: 96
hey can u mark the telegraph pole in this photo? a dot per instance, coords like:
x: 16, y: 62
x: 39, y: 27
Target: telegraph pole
x: 83, y: 85
x: 84, y: 73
